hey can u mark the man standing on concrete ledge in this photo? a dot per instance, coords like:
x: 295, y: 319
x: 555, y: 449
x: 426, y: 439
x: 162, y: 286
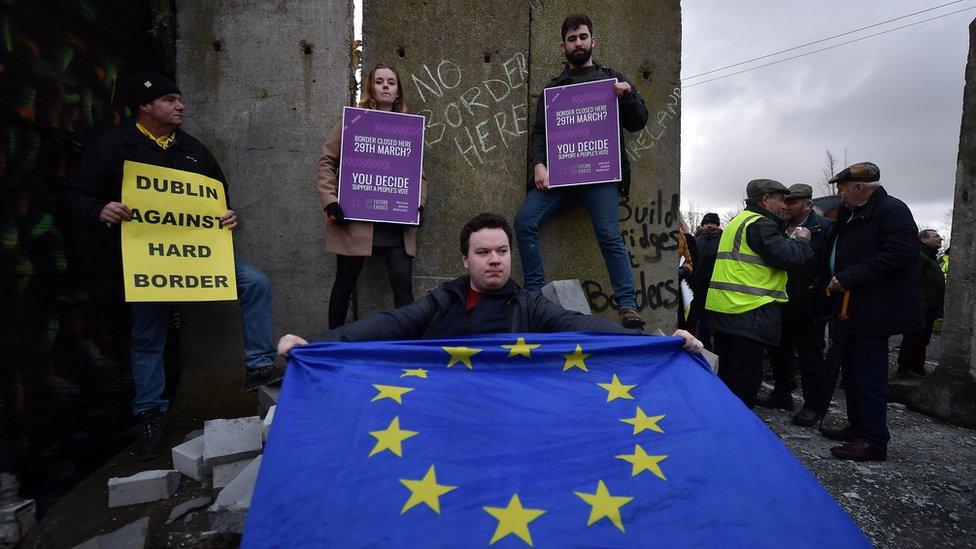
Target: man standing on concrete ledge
x: 872, y: 252
x: 749, y: 284
x: 911, y: 356
x: 485, y: 301
x: 601, y: 200
x: 93, y: 195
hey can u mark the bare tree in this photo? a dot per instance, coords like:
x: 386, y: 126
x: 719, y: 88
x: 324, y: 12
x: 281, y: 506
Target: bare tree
x: 693, y: 214
x: 828, y: 170
x: 729, y: 214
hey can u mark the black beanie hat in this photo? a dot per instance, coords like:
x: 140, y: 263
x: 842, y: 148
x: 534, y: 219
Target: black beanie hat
x: 144, y: 87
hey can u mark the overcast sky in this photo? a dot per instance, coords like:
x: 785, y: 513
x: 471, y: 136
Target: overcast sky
x: 895, y: 99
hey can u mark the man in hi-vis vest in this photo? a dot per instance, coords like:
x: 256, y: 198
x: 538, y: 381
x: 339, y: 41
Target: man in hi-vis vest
x: 749, y: 283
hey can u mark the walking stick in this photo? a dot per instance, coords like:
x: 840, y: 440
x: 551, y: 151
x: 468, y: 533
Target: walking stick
x: 838, y: 328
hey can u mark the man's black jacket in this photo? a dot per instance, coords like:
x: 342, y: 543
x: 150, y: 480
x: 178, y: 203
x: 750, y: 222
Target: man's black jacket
x: 932, y: 280
x: 766, y: 237
x: 707, y: 244
x: 443, y: 313
x: 633, y: 118
x: 98, y: 178
x: 803, y: 282
x: 875, y: 249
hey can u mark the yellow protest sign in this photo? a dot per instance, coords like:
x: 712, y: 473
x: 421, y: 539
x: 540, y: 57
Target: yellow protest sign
x: 174, y: 248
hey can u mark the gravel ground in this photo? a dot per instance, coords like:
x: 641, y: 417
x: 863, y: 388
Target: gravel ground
x: 923, y: 496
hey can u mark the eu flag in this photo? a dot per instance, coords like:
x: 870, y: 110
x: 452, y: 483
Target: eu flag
x: 549, y: 440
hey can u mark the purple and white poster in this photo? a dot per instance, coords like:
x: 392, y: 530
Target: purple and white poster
x: 380, y: 165
x: 582, y: 133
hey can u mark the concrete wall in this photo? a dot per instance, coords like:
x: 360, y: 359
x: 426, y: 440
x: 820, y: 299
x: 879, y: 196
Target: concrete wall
x: 950, y: 391
x: 263, y: 81
x: 476, y: 69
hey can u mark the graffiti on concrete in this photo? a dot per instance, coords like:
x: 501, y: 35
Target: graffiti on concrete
x: 646, y: 242
x: 474, y: 117
x: 657, y: 126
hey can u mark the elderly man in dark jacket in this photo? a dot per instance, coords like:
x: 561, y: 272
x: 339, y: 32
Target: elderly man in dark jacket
x: 872, y: 252
x: 911, y: 356
x: 803, y: 331
x: 749, y: 283
x: 486, y: 301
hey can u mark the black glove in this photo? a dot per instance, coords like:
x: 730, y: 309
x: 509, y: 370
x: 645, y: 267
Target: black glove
x: 333, y: 213
x: 420, y: 217
x: 683, y: 274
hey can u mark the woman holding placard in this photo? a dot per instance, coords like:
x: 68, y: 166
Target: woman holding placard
x: 353, y: 241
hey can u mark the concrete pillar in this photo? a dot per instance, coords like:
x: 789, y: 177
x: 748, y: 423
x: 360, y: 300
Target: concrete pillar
x: 476, y: 69
x: 950, y: 391
x: 263, y: 82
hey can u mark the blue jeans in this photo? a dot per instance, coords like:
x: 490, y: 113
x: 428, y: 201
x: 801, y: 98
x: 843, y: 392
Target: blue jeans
x: 149, y: 336
x: 602, y: 203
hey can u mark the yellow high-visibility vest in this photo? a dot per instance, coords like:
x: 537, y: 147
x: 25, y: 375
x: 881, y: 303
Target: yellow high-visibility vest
x: 741, y: 280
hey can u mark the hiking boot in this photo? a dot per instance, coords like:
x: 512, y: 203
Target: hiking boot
x: 152, y: 441
x: 845, y: 434
x: 263, y: 375
x: 630, y: 319
x: 806, y: 417
x: 777, y: 401
x: 859, y: 450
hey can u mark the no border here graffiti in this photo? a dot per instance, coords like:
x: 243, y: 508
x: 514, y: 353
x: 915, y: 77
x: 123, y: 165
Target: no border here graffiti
x: 174, y: 248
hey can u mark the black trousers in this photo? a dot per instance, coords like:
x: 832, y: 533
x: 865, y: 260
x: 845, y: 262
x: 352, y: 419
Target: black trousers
x: 803, y: 337
x: 400, y: 267
x: 864, y: 364
x: 740, y: 365
x: 911, y: 356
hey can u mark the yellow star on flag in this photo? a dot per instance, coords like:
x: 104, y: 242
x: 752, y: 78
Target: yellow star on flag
x: 521, y: 348
x: 604, y: 505
x: 416, y: 372
x: 462, y: 355
x: 513, y: 519
x: 616, y: 390
x: 391, y: 438
x: 391, y: 392
x: 575, y: 359
x: 644, y: 422
x: 426, y: 491
x: 643, y: 462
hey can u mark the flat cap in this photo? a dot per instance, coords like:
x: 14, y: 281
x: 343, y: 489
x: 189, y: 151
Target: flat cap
x: 758, y: 187
x: 863, y: 172
x: 800, y: 191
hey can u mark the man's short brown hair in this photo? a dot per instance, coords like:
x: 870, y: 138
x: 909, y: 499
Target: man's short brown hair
x: 573, y: 22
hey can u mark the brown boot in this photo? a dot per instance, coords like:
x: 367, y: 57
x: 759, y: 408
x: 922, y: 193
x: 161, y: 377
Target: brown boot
x: 859, y: 450
x: 630, y: 319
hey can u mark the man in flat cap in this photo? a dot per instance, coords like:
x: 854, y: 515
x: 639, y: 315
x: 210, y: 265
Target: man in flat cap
x: 802, y: 332
x: 872, y: 252
x: 93, y: 195
x: 707, y: 243
x: 749, y: 284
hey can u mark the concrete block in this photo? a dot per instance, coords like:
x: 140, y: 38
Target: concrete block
x: 130, y: 536
x: 230, y: 440
x: 224, y: 473
x: 267, y: 397
x: 266, y: 424
x: 568, y: 294
x: 143, y: 487
x: 188, y: 459
x: 227, y: 514
x: 185, y: 507
x: 192, y: 435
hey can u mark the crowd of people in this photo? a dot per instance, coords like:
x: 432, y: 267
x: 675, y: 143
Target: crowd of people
x: 821, y: 296
x: 768, y: 281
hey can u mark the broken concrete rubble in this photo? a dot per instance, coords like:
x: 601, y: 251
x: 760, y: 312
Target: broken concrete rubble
x: 568, y: 294
x: 266, y: 424
x: 230, y: 440
x: 228, y: 513
x: 267, y: 397
x: 130, y: 536
x: 188, y: 459
x: 143, y: 487
x: 224, y: 473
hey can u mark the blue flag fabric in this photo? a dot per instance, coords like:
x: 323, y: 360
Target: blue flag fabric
x: 550, y: 440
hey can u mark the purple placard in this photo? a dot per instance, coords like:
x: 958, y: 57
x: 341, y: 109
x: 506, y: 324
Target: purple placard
x: 380, y: 165
x: 582, y: 133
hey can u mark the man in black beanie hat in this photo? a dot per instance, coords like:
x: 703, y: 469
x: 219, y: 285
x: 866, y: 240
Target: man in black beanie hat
x: 93, y: 195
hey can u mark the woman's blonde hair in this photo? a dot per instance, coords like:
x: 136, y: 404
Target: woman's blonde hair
x: 367, y: 101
